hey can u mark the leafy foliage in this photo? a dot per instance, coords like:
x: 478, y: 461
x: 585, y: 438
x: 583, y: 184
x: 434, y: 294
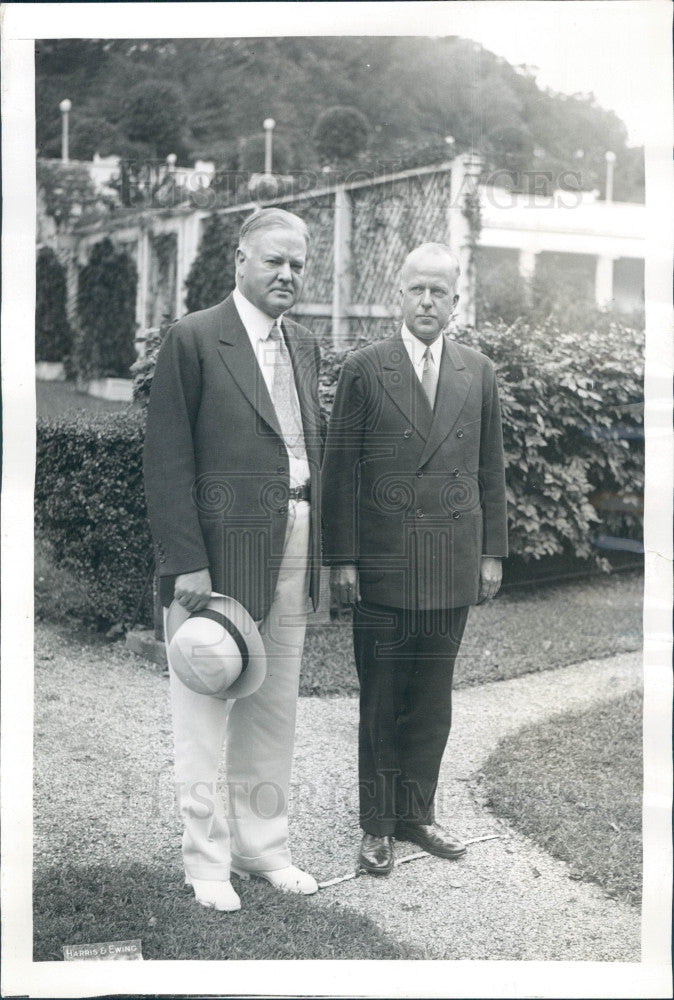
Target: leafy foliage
x: 242, y: 81
x: 89, y: 502
x: 143, y: 369
x: 572, y: 407
x: 67, y: 190
x: 155, y: 114
x: 106, y: 305
x: 52, y: 331
x: 212, y: 274
x: 341, y: 134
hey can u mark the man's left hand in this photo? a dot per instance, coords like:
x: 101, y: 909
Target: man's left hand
x: 490, y: 578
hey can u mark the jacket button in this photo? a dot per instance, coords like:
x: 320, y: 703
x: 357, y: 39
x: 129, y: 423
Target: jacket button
x: 459, y: 434
x: 407, y: 433
x: 456, y: 472
x: 456, y: 515
x: 281, y: 470
x: 420, y: 512
x: 283, y: 510
x: 420, y: 475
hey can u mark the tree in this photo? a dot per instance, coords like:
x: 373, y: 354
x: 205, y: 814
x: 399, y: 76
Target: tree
x: 52, y: 330
x: 92, y: 134
x: 106, y: 306
x: 341, y: 134
x: 67, y: 189
x: 155, y: 114
x: 212, y: 274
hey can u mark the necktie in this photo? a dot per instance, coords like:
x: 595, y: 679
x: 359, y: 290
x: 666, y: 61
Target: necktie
x: 429, y: 377
x: 284, y: 396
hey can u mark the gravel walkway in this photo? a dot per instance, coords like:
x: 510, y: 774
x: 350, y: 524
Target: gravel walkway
x: 507, y: 898
x: 103, y: 793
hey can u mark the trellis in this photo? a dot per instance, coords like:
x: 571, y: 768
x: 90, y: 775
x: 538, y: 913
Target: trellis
x: 360, y: 231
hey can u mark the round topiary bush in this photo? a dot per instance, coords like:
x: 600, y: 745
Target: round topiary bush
x: 341, y: 134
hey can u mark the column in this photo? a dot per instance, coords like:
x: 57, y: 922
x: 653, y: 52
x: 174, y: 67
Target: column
x: 189, y: 237
x: 341, y: 274
x: 527, y: 269
x: 466, y: 171
x: 143, y: 275
x: 603, y: 281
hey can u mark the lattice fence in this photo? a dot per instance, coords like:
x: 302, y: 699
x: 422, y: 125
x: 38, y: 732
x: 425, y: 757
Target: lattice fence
x: 389, y: 220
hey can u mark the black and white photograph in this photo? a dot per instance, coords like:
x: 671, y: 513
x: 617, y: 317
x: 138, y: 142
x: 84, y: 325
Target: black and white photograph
x: 337, y: 499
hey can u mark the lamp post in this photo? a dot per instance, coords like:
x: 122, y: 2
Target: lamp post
x: 610, y: 161
x: 268, y: 126
x: 64, y: 108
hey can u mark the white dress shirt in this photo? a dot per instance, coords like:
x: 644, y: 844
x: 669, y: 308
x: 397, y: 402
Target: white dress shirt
x: 258, y: 327
x: 416, y: 348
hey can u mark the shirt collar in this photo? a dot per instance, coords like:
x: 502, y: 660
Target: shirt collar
x: 256, y: 322
x: 416, y: 347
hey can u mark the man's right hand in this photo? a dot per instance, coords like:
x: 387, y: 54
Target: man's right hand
x: 193, y: 590
x: 344, y: 587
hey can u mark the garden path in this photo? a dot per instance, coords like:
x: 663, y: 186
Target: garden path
x: 507, y: 898
x: 102, y: 724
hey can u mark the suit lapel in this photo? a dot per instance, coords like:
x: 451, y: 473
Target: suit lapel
x: 237, y: 353
x: 453, y: 384
x: 399, y: 379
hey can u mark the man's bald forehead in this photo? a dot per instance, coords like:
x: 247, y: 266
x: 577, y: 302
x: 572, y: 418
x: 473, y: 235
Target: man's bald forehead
x: 438, y: 253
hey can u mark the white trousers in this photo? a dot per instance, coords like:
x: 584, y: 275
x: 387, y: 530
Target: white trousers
x: 258, y: 732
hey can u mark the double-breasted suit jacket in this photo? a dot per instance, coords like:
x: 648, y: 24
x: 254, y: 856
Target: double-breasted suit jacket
x: 216, y: 466
x: 413, y: 495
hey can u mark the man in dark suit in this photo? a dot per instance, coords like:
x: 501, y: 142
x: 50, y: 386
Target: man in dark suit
x: 414, y: 528
x: 232, y: 457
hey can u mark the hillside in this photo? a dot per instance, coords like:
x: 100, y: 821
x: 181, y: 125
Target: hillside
x: 213, y: 95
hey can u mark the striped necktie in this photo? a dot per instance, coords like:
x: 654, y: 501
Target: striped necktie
x: 429, y: 377
x: 284, y: 396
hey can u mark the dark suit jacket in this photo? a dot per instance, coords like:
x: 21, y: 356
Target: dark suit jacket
x: 415, y: 496
x: 216, y: 467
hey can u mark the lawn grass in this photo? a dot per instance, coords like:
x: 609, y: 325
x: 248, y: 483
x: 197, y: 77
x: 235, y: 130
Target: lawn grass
x: 95, y: 904
x: 526, y: 630
x: 574, y: 785
x: 54, y: 399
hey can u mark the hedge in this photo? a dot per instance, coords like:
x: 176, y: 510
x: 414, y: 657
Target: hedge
x: 89, y: 503
x: 573, y: 443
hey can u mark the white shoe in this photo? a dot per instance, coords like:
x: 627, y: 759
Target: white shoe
x: 215, y: 895
x: 290, y: 879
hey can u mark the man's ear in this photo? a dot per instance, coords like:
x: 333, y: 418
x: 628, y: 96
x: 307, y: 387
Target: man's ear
x: 239, y: 257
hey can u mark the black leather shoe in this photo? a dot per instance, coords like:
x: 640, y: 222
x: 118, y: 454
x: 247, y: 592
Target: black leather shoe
x: 376, y: 854
x: 432, y: 838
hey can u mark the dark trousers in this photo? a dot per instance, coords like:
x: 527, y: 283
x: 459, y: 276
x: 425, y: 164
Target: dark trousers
x: 405, y: 663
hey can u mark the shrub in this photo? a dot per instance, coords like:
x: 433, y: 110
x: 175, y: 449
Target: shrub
x: 573, y: 434
x: 341, y: 134
x: 52, y: 330
x: 89, y: 504
x: 212, y: 274
x: 106, y: 305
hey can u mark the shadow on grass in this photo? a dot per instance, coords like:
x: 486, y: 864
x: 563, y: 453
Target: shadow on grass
x: 87, y: 905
